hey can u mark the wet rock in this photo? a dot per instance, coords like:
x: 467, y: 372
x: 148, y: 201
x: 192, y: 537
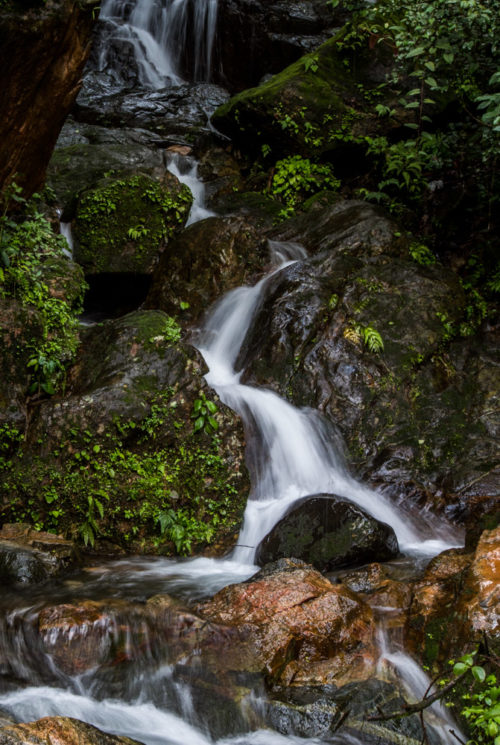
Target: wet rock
x: 132, y: 389
x: 316, y: 719
x: 294, y: 626
x: 85, y: 152
x: 179, y: 113
x: 436, y: 618
x: 29, y: 556
x: 316, y: 97
x: 59, y: 731
x: 122, y: 225
x: 42, y: 54
x: 417, y: 415
x: 483, y: 584
x: 208, y: 259
x: 328, y: 532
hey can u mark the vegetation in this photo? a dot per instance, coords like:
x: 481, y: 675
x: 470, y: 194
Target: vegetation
x: 32, y: 261
x: 139, y: 484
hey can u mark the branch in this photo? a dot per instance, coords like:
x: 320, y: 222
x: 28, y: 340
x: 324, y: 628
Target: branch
x: 409, y: 709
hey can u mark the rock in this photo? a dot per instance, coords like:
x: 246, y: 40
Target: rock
x: 204, y: 262
x: 85, y: 153
x: 294, y: 626
x: 59, y: 731
x: 267, y: 36
x: 328, y: 532
x: 29, y: 556
x: 123, y: 434
x: 122, y: 225
x: 481, y: 594
x: 421, y: 414
x: 42, y: 54
x: 312, y: 106
x: 179, y: 113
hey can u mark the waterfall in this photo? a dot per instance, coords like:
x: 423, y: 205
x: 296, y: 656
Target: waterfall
x: 159, y: 32
x: 292, y: 456
x: 186, y: 170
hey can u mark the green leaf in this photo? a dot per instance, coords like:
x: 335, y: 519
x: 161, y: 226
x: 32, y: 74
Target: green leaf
x: 448, y: 57
x: 213, y: 423
x: 430, y: 66
x: 416, y: 52
x: 199, y: 423
x: 479, y: 673
x: 459, y: 668
x: 211, y: 407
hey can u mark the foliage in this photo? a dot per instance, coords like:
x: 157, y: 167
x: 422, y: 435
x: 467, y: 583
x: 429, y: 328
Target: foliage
x: 203, y: 414
x: 367, y: 335
x: 152, y: 483
x: 28, y: 250
x: 481, y: 702
x: 295, y: 178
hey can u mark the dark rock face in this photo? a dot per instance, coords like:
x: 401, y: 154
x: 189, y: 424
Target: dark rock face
x: 410, y: 412
x: 328, y: 533
x: 42, y: 54
x: 29, y: 557
x: 268, y: 36
x: 205, y: 261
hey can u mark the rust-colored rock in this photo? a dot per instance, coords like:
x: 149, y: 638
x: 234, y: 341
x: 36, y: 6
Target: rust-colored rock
x: 58, y: 731
x: 42, y: 54
x: 483, y: 587
x: 296, y: 626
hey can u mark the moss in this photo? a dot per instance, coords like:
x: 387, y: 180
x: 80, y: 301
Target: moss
x: 122, y: 224
x: 307, y: 107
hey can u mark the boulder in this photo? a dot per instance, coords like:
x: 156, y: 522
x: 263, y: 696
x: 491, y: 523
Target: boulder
x: 29, y: 556
x: 419, y: 414
x: 122, y: 224
x: 123, y: 434
x: 42, y: 53
x: 205, y: 261
x: 84, y: 153
x: 314, y: 106
x: 328, y: 532
x: 59, y: 731
x: 294, y: 626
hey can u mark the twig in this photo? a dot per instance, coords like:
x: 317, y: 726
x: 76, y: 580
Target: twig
x: 408, y: 709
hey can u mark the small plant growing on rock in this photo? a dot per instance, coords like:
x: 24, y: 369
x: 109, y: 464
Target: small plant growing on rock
x: 203, y: 414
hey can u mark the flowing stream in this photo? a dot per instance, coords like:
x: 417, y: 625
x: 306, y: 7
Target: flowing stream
x: 160, y: 33
x: 292, y: 457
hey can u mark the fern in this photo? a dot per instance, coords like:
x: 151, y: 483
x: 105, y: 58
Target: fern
x: 372, y: 339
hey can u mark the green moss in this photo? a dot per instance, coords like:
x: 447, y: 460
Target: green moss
x: 154, y: 486
x: 122, y: 223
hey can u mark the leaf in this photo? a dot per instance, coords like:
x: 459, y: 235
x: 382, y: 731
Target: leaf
x: 430, y: 66
x: 199, y: 423
x: 479, y: 673
x: 448, y: 57
x: 432, y: 82
x: 213, y: 423
x: 416, y: 52
x: 211, y: 407
x: 459, y: 668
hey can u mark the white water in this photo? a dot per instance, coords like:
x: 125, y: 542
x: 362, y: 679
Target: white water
x: 158, y: 32
x: 186, y: 170
x: 292, y: 455
x: 417, y: 685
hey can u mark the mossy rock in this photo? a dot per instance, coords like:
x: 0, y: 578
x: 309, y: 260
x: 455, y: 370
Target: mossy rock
x: 313, y: 106
x: 123, y: 224
x: 124, y: 434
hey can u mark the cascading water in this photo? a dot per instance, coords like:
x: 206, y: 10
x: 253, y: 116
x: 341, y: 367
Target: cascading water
x: 159, y: 33
x: 186, y: 170
x: 292, y: 456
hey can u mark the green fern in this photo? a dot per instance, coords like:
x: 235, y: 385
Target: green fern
x: 372, y: 339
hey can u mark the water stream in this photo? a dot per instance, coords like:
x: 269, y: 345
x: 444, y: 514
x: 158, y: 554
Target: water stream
x: 160, y: 33
x: 292, y: 457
